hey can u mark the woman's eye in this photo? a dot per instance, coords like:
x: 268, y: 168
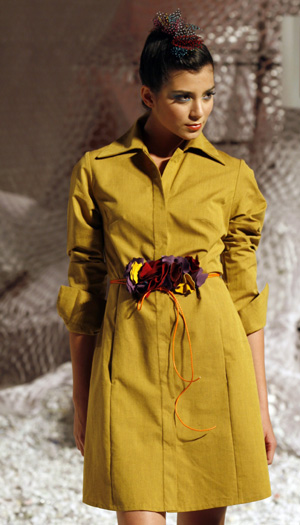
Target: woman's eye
x: 208, y: 95
x: 182, y: 98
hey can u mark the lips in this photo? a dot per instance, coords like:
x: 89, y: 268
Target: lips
x: 194, y: 127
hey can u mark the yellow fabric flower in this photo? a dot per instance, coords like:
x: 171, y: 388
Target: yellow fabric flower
x: 135, y: 268
x: 187, y: 286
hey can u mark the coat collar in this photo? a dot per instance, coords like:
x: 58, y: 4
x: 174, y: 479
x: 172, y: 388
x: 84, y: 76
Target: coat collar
x: 132, y: 141
x: 201, y: 145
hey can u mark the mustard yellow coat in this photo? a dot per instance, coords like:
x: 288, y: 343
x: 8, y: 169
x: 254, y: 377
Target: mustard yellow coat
x: 138, y: 455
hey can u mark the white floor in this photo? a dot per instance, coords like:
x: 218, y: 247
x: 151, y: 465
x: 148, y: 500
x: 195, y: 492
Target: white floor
x: 41, y: 471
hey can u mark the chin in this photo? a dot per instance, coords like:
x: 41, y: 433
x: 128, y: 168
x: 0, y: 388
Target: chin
x: 193, y: 134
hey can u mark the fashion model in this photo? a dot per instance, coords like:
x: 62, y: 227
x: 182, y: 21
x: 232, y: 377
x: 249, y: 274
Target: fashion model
x: 165, y: 317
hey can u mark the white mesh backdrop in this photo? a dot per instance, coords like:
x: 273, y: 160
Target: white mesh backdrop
x: 69, y: 84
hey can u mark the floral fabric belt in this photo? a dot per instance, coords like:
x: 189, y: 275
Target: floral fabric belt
x: 170, y: 275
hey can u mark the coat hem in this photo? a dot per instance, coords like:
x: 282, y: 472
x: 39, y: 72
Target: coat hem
x: 224, y: 502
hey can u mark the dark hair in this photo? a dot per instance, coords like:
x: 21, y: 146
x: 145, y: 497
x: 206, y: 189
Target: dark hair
x: 158, y: 60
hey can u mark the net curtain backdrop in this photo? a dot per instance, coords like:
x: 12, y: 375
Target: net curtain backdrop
x: 70, y: 84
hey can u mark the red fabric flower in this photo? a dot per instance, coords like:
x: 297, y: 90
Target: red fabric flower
x: 156, y: 273
x: 176, y: 274
x: 194, y: 263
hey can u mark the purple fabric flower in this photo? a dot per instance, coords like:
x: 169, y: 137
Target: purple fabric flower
x: 183, y: 262
x: 199, y: 277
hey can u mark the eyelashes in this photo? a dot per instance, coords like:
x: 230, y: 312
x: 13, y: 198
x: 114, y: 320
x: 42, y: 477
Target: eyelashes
x: 186, y: 97
x: 182, y: 98
x: 209, y: 95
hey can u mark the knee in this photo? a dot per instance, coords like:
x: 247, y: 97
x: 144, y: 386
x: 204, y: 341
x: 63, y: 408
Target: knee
x: 203, y: 517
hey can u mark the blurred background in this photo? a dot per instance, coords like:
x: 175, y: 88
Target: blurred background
x: 69, y: 83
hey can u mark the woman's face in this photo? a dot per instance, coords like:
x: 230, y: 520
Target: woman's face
x: 183, y: 104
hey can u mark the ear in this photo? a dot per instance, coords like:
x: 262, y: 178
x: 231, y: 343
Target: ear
x: 147, y: 96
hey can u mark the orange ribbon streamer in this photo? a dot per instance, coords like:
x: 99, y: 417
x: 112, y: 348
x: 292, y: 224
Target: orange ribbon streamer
x: 179, y: 312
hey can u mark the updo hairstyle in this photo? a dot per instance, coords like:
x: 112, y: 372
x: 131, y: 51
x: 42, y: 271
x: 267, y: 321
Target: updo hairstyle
x: 158, y: 60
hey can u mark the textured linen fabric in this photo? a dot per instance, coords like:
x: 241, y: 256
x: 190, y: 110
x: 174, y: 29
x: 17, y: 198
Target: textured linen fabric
x: 138, y: 456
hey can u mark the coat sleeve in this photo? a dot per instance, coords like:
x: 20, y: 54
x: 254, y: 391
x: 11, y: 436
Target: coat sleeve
x: 82, y: 303
x: 239, y: 257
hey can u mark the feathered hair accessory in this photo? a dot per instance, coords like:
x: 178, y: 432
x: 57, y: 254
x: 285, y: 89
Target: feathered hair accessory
x: 184, y: 34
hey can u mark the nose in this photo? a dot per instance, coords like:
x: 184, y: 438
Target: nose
x: 196, y: 110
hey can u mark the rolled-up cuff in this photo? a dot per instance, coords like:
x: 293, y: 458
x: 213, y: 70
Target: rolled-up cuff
x: 254, y: 315
x: 81, y: 311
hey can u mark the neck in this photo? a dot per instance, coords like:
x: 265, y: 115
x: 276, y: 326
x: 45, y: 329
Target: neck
x: 160, y: 141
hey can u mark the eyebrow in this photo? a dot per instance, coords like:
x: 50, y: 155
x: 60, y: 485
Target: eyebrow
x: 190, y: 92
x: 210, y: 89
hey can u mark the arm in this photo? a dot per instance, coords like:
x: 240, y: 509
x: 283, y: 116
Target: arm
x: 82, y: 303
x: 240, y: 266
x: 256, y: 341
x: 82, y: 351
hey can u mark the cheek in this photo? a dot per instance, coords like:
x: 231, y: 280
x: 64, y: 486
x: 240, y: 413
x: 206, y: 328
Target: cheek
x: 209, y: 109
x: 179, y: 111
x: 173, y: 114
